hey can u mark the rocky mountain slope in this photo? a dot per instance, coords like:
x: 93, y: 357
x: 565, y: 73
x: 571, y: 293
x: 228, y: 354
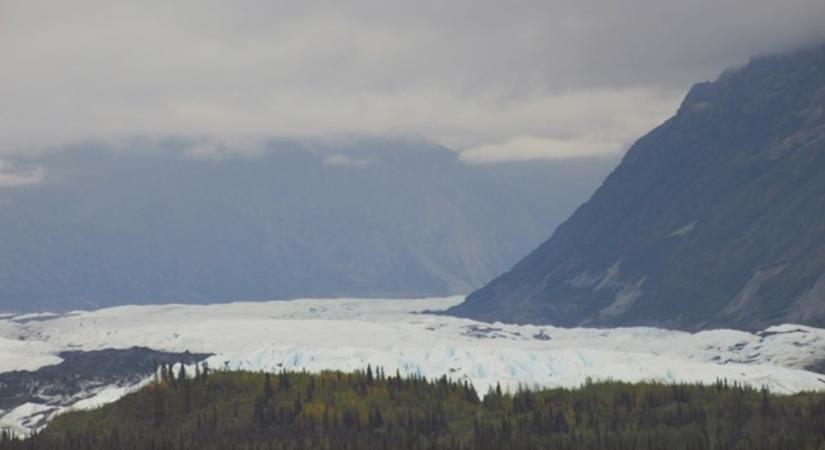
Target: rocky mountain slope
x: 80, y: 376
x: 188, y: 220
x: 714, y: 219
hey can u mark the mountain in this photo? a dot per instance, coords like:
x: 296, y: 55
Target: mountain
x: 185, y: 220
x: 714, y: 219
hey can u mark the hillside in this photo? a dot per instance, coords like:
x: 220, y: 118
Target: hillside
x: 713, y: 219
x: 368, y: 409
x: 182, y: 220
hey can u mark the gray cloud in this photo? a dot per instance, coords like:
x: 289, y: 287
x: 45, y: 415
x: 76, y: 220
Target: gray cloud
x: 480, y: 76
x: 13, y: 176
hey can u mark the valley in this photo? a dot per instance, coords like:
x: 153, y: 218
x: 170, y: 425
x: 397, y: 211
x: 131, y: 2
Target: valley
x: 408, y: 336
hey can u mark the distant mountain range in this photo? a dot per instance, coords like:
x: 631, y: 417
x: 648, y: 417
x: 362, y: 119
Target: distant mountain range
x: 182, y: 220
x: 714, y: 219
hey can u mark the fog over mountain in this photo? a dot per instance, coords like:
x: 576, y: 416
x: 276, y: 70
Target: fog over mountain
x: 532, y: 79
x: 188, y: 220
x: 139, y: 216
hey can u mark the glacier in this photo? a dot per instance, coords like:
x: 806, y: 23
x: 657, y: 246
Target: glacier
x: 406, y: 336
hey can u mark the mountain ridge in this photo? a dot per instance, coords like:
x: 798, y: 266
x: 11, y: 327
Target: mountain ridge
x: 180, y: 220
x: 713, y: 219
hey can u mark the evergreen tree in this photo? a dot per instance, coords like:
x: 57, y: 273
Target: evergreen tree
x: 331, y: 410
x: 267, y: 386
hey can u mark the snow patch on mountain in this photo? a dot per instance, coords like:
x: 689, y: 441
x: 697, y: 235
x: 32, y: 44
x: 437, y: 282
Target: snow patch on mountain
x: 17, y: 354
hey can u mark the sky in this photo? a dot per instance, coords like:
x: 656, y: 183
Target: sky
x: 493, y: 80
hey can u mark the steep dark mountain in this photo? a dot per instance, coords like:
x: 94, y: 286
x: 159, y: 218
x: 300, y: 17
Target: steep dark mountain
x: 714, y: 219
x: 182, y: 221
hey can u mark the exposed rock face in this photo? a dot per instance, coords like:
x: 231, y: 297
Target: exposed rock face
x: 81, y: 375
x: 714, y: 219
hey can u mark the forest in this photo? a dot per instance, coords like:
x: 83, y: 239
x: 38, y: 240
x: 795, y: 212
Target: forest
x: 372, y: 410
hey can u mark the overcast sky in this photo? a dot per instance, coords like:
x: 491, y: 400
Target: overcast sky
x: 496, y: 80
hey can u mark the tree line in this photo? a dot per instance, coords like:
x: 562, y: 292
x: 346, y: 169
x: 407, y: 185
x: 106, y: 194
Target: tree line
x: 372, y: 410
